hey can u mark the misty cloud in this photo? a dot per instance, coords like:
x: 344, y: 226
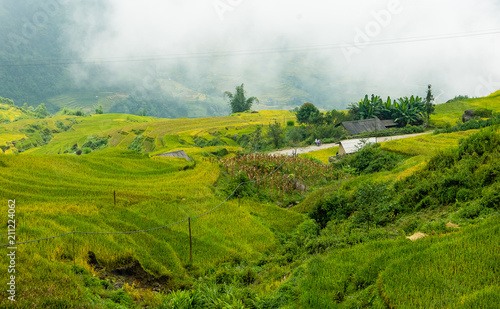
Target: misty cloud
x: 260, y: 43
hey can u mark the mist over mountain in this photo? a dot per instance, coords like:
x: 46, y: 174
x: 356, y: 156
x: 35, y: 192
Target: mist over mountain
x: 176, y: 58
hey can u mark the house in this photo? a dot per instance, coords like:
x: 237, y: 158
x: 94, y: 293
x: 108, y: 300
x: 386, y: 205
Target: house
x: 354, y: 145
x: 365, y: 125
x: 389, y: 123
x: 175, y: 154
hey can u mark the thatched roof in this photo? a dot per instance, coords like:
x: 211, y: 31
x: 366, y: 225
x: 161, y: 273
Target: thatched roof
x: 175, y: 154
x: 365, y: 125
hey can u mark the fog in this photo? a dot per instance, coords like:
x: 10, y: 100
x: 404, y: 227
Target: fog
x: 353, y: 48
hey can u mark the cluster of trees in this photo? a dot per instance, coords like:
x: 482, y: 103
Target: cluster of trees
x: 412, y: 110
x: 309, y: 114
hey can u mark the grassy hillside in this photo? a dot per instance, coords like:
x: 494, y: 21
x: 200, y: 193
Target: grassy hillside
x: 342, y: 246
x: 452, y: 112
x: 58, y: 194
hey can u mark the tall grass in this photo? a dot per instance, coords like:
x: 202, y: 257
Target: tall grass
x: 59, y: 194
x: 446, y: 271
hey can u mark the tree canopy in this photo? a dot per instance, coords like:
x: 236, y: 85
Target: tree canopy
x: 237, y: 100
x: 308, y: 113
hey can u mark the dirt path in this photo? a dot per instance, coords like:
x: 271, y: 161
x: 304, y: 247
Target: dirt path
x: 307, y: 149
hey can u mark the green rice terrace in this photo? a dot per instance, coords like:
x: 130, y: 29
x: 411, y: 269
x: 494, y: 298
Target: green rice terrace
x: 409, y: 223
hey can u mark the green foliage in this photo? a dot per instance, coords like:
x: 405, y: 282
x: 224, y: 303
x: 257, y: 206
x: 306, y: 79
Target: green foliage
x: 409, y: 111
x: 404, y: 111
x: 73, y: 112
x: 99, y: 110
x: 458, y: 98
x: 398, y: 273
x: 255, y: 141
x: 41, y: 111
x: 202, y: 142
x: 276, y: 134
x: 483, y: 112
x: 238, y: 102
x: 96, y: 143
x: 367, y: 108
x: 335, y: 206
x: 371, y: 159
x: 295, y: 135
x: 337, y: 117
x: 309, y: 114
x: 429, y: 105
x: 472, y: 124
x: 290, y: 123
x: 6, y: 101
x: 328, y: 132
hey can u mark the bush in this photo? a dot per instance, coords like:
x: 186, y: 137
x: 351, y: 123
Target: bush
x: 483, y: 112
x: 290, y: 123
x: 328, y: 131
x: 96, y: 143
x: 336, y: 206
x: 470, y: 211
x: 412, y: 129
x: 296, y: 134
x: 371, y: 159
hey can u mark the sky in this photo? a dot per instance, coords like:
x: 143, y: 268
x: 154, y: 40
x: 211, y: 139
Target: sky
x: 386, y: 47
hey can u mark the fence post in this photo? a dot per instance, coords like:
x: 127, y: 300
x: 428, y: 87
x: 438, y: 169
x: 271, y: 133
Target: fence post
x: 74, y: 264
x: 190, y: 243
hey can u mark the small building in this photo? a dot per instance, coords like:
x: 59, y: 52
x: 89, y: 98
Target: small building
x: 389, y: 123
x: 365, y: 125
x: 175, y: 154
x: 349, y: 146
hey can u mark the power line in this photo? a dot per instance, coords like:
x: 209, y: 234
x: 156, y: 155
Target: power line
x: 231, y: 53
x: 154, y: 228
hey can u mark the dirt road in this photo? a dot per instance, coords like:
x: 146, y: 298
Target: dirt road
x: 307, y: 149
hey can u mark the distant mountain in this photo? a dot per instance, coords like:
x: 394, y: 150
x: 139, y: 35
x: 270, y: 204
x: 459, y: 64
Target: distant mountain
x: 37, y: 65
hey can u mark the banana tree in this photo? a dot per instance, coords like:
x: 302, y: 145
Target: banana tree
x: 409, y: 111
x: 366, y: 108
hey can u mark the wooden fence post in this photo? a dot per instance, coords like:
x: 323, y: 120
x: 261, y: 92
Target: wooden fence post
x: 190, y: 243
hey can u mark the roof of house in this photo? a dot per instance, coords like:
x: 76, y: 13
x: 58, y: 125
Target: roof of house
x: 389, y: 123
x: 354, y: 145
x: 175, y: 154
x: 365, y: 125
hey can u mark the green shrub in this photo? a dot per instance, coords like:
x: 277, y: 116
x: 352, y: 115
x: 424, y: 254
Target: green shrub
x: 371, y: 159
x: 290, y: 123
x: 464, y: 195
x: 120, y: 297
x: 483, y: 112
x: 335, y: 206
x: 491, y: 197
x: 470, y: 211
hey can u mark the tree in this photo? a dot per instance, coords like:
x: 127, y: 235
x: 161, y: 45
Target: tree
x: 238, y: 102
x: 41, y: 111
x: 6, y: 101
x: 337, y: 117
x: 429, y: 103
x: 409, y: 111
x: 99, y: 110
x: 276, y: 134
x: 255, y: 141
x: 308, y: 113
x: 367, y: 108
